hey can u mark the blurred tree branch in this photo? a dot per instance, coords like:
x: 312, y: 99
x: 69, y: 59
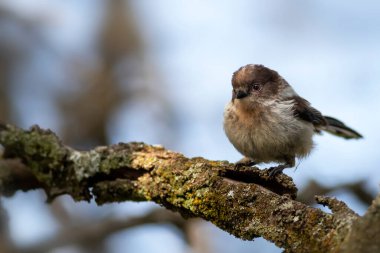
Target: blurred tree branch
x: 313, y: 188
x: 86, y: 233
x: 244, y: 202
x: 90, y: 107
x: 111, y: 81
x: 5, y: 242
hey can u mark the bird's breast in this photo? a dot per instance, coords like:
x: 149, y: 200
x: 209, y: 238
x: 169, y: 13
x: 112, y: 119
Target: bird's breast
x: 268, y: 132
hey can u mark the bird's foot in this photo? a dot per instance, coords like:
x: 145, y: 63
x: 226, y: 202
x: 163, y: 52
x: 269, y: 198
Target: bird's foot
x: 245, y: 162
x: 289, y: 162
x: 273, y: 171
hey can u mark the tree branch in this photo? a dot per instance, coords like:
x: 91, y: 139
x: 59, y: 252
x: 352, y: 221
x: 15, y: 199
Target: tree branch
x: 242, y: 201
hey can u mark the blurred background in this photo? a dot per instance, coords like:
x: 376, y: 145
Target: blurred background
x: 99, y: 72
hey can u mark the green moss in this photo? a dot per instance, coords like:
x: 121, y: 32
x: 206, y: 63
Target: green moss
x: 41, y: 150
x: 113, y: 160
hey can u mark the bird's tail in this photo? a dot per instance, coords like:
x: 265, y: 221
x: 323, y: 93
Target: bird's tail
x: 338, y: 128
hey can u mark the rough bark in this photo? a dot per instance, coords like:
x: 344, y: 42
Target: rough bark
x: 245, y: 202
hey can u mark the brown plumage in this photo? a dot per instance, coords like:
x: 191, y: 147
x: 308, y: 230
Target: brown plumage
x: 267, y: 121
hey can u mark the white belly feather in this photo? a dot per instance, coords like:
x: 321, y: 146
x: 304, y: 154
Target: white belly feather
x: 271, y: 135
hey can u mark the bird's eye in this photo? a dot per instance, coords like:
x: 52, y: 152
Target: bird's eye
x: 256, y: 86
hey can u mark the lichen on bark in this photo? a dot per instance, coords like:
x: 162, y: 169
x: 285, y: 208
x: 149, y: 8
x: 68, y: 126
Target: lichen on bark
x: 245, y: 202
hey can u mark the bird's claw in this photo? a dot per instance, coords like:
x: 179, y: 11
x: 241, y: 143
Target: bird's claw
x: 273, y: 171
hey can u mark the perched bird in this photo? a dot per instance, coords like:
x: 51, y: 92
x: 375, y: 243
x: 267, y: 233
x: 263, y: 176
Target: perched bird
x: 267, y: 121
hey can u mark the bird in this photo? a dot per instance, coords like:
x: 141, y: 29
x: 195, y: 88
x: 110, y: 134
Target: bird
x: 267, y: 121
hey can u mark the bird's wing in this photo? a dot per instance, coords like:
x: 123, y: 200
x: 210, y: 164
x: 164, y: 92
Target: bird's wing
x: 304, y: 111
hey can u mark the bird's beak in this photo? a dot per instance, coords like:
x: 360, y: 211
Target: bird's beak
x: 239, y: 94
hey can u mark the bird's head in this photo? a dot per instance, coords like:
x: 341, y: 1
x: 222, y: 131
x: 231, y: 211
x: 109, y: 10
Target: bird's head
x: 255, y: 83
